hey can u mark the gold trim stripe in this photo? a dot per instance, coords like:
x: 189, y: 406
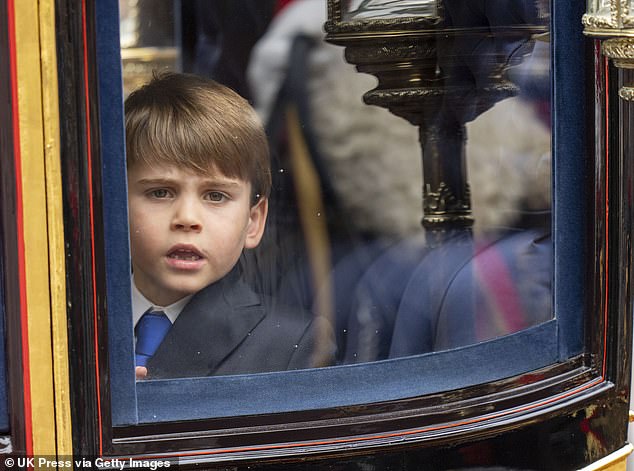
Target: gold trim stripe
x: 43, y: 225
x: 613, y: 462
x: 52, y: 162
x: 35, y: 233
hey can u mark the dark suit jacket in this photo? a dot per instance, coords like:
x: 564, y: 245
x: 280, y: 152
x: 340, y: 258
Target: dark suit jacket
x: 226, y: 328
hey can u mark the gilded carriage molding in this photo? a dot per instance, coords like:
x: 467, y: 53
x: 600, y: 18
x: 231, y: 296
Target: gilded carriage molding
x: 597, y: 21
x: 627, y: 93
x: 621, y: 51
x: 605, y: 24
x: 617, y: 27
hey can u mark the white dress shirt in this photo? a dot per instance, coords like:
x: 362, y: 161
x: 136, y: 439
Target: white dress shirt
x: 140, y: 305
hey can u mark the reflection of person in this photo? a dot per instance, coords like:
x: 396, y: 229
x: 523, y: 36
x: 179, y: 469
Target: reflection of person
x: 373, y: 160
x: 219, y: 36
x: 198, y: 182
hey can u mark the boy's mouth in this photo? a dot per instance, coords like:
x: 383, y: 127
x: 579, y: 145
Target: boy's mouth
x: 186, y: 253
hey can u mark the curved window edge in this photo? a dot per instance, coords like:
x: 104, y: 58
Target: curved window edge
x: 287, y: 391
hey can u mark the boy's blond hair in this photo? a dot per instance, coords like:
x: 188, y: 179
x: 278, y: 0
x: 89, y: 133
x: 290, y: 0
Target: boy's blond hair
x: 196, y: 123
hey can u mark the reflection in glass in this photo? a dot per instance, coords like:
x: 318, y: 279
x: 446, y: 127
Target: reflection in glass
x: 600, y: 8
x: 148, y: 40
x: 383, y: 9
x: 344, y: 240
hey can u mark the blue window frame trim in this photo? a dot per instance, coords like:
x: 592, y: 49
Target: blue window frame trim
x: 285, y: 391
x: 569, y: 152
x: 115, y: 213
x: 223, y: 396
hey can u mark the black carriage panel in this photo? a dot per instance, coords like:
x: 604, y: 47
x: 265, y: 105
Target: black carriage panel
x: 434, y: 338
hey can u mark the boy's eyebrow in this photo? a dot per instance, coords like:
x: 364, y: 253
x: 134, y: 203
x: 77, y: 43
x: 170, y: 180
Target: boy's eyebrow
x: 154, y: 181
x: 220, y: 182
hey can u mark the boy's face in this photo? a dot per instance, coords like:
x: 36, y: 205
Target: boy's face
x: 187, y: 230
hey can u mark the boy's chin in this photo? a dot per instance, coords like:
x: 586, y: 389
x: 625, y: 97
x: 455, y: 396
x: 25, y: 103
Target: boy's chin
x: 188, y: 289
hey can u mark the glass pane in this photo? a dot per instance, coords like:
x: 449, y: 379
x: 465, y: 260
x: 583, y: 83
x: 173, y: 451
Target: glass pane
x: 344, y: 272
x: 385, y: 9
x: 600, y: 8
x: 148, y: 40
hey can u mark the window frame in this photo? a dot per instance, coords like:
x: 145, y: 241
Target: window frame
x: 572, y: 365
x: 227, y: 396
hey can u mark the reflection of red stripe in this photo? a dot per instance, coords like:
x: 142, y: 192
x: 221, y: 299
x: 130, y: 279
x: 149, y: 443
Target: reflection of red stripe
x: 497, y: 283
x: 19, y: 222
x: 92, y: 220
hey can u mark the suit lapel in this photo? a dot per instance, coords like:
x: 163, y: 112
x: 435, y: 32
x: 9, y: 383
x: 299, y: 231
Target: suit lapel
x: 210, y: 327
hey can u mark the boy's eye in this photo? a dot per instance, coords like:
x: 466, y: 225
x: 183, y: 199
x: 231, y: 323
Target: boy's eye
x: 159, y: 193
x: 215, y: 196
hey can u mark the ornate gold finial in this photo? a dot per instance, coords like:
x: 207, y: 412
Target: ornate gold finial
x: 614, y: 20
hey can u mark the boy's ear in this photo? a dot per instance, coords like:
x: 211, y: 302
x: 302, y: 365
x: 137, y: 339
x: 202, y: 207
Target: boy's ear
x: 257, y: 221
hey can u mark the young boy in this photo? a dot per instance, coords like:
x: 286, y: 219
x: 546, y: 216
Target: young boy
x: 198, y: 183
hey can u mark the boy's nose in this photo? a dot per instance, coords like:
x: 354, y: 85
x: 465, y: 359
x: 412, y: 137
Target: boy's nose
x: 186, y: 217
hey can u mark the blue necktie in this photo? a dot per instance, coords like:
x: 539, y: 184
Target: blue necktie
x: 150, y: 332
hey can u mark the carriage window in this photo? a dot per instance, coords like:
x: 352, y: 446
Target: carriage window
x: 383, y: 237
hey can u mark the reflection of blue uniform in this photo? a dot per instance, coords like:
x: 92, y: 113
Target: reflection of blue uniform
x: 370, y: 309
x: 461, y: 294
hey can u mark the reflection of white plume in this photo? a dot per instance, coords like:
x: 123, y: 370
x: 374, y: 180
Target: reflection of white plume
x: 508, y: 160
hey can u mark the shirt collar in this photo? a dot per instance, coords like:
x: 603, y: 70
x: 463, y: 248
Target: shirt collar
x: 140, y: 305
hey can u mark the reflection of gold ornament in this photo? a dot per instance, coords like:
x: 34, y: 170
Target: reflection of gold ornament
x: 139, y: 64
x: 147, y: 41
x: 424, y: 56
x: 441, y: 201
